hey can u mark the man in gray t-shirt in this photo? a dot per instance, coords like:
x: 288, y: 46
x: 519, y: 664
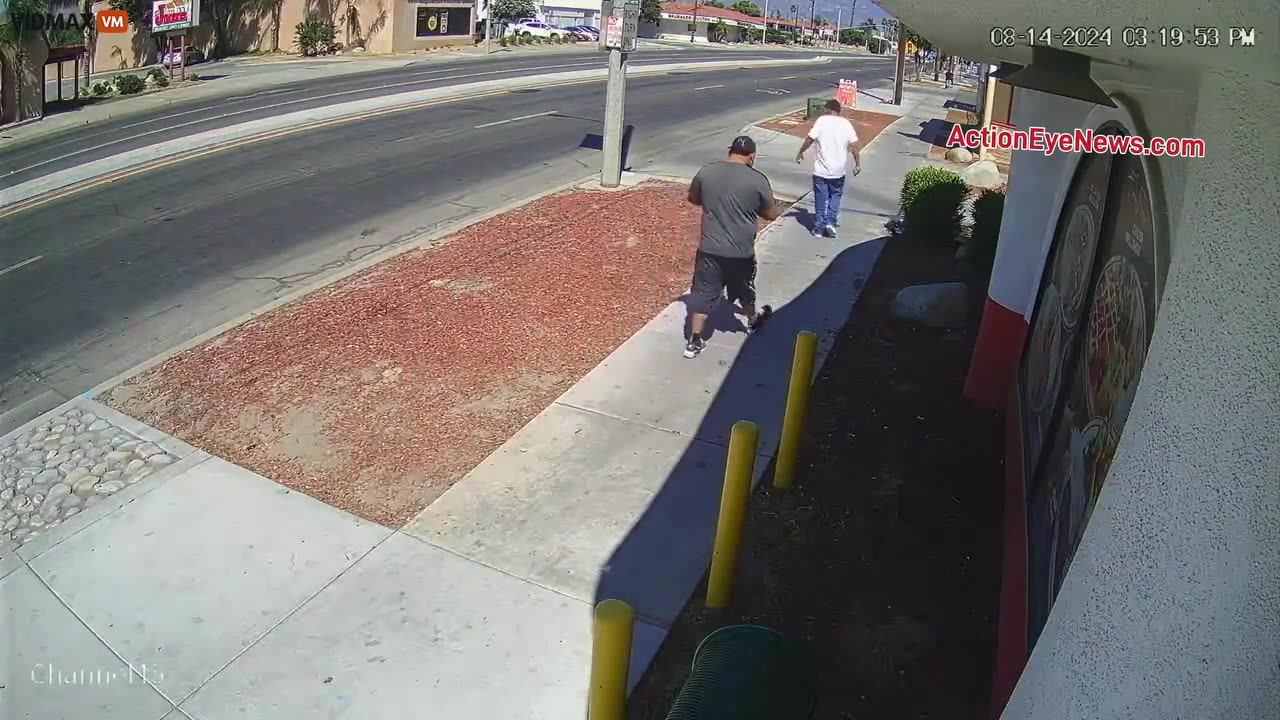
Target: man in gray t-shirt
x: 733, y: 196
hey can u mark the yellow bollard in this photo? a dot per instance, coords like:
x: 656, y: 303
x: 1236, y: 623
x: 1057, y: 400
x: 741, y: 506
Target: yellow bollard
x: 610, y: 660
x: 784, y: 468
x: 738, y: 469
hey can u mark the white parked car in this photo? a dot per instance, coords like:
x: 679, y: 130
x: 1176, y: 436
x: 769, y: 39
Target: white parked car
x: 533, y: 28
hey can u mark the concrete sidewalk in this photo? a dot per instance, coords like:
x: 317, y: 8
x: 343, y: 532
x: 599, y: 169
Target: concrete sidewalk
x: 187, y: 587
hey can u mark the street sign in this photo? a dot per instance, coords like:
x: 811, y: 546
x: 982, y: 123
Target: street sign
x: 621, y: 25
x: 613, y: 32
x: 847, y: 93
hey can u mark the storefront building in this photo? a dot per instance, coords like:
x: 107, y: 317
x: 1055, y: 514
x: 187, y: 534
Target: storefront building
x: 682, y: 21
x: 1130, y: 335
x: 378, y: 26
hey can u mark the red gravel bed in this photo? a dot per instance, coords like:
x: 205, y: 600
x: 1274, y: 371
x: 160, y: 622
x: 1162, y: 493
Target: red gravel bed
x: 885, y: 560
x: 377, y: 393
x: 868, y: 124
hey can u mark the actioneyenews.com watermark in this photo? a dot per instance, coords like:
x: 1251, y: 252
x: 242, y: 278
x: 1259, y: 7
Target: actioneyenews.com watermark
x: 1038, y: 139
x: 56, y: 676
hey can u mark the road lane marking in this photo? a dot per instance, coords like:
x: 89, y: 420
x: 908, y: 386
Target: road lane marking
x: 22, y: 264
x: 516, y: 119
x: 708, y: 87
x: 833, y: 72
x: 265, y: 107
x: 789, y: 77
x: 116, y: 176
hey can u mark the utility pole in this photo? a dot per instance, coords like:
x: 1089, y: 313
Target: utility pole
x: 835, y: 43
x: 621, y: 20
x: 693, y: 29
x: 901, y: 65
x: 764, y: 39
x: 813, y: 14
x: 488, y: 26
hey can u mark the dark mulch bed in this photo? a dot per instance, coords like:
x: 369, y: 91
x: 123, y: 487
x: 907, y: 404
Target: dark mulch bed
x: 886, y: 558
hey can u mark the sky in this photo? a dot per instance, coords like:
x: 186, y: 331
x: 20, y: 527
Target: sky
x: 827, y: 9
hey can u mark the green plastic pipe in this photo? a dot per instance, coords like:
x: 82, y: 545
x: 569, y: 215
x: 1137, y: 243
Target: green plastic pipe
x: 748, y: 672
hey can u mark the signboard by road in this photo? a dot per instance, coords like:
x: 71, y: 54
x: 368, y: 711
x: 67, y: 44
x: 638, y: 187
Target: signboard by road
x: 167, y: 15
x: 613, y: 31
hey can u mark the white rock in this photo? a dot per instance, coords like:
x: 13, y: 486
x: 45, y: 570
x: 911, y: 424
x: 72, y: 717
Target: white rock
x: 46, y: 477
x: 99, y: 426
x: 59, y: 490
x: 98, y: 470
x: 68, y: 440
x: 70, y: 511
x: 137, y: 476
x: 57, y: 429
x: 959, y: 154
x: 21, y: 504
x: 84, y: 488
x: 89, y: 418
x: 50, y: 511
x: 6, y: 495
x: 942, y: 305
x: 32, y: 439
x: 160, y: 459
x: 11, y: 523
x: 22, y: 483
x: 146, y: 450
x: 117, y: 457
x: 119, y: 439
x: 66, y: 467
x: 982, y: 174
x: 5, y: 514
x: 84, y: 462
x: 129, y: 445
x: 72, y: 500
x: 107, y: 488
x: 37, y: 521
x: 112, y: 475
x: 96, y: 453
x: 134, y: 466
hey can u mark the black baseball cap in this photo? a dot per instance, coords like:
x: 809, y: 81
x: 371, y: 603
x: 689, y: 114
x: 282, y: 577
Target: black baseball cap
x: 743, y: 145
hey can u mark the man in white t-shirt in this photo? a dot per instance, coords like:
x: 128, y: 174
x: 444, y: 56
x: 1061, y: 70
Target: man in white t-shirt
x: 836, y: 140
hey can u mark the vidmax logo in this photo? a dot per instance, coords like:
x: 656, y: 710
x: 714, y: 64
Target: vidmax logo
x: 112, y: 21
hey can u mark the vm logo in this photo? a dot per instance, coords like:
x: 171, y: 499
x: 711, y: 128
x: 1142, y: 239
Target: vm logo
x: 112, y: 21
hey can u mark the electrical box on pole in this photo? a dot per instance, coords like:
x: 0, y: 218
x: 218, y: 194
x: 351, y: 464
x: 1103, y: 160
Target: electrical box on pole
x: 619, y: 31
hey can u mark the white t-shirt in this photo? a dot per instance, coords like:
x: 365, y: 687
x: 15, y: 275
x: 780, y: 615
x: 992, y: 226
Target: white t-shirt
x: 832, y: 135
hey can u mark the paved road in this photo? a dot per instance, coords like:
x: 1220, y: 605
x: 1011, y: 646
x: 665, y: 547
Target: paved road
x: 27, y: 161
x: 95, y: 283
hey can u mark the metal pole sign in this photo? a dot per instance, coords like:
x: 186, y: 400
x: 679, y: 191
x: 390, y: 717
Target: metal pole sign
x: 621, y: 26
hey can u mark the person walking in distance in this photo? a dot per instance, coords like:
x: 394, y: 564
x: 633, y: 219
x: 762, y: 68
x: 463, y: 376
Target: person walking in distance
x: 733, y: 196
x: 836, y: 140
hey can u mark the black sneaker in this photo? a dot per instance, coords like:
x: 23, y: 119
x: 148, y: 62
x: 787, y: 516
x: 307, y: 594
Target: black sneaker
x: 694, y: 346
x: 761, y: 317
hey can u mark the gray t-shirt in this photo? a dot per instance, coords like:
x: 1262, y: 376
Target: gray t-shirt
x: 733, y: 196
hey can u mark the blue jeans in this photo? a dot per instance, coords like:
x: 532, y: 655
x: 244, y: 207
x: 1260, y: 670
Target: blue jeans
x: 826, y: 201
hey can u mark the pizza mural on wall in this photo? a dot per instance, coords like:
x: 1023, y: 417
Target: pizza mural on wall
x: 1108, y: 303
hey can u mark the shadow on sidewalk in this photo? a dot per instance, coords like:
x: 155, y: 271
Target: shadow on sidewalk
x: 666, y: 553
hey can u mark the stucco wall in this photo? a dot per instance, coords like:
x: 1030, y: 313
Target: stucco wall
x: 1171, y: 608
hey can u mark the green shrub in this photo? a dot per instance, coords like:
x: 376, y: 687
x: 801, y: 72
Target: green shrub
x: 988, y: 211
x: 129, y: 84
x: 101, y: 89
x: 157, y: 77
x: 314, y: 35
x: 932, y: 200
x: 503, y: 41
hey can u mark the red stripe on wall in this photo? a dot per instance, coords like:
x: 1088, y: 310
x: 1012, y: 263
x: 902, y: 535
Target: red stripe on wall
x: 1011, y: 628
x: 996, y: 353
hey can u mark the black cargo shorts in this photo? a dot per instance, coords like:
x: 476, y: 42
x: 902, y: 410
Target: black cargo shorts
x: 713, y: 275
